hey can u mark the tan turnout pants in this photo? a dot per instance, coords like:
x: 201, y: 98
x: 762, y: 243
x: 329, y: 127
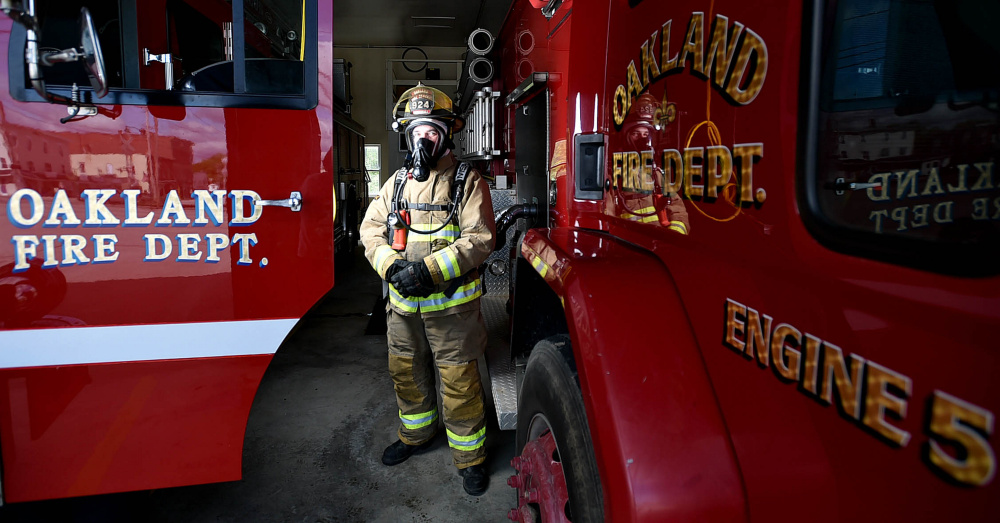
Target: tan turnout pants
x: 453, y: 343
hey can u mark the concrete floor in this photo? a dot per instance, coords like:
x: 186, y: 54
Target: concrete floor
x: 322, y: 416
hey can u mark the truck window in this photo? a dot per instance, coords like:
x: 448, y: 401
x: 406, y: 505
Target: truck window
x: 184, y: 52
x: 908, y: 133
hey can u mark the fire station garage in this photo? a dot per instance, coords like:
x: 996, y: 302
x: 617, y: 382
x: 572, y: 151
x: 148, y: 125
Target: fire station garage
x: 511, y: 260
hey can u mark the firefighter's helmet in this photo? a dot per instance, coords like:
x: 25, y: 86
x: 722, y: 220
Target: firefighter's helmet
x: 422, y: 105
x: 641, y: 127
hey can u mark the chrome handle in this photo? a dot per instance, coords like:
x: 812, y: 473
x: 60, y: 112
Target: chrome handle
x: 168, y: 65
x: 840, y: 184
x: 294, y: 202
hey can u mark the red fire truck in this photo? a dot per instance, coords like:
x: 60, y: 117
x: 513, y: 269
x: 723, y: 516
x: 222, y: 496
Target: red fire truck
x: 816, y: 342
x: 161, y: 242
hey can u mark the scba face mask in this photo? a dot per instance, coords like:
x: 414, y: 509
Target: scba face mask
x: 424, y: 151
x: 425, y: 157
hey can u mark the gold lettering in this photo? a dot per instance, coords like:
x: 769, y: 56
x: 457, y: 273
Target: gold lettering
x: 919, y: 216
x: 963, y: 172
x: 980, y: 209
x: 878, y: 216
x: 906, y: 179
x: 985, y: 180
x: 649, y: 67
x: 848, y: 382
x: 898, y: 215
x: 673, y: 172
x: 933, y: 185
x: 783, y: 353
x: 882, y: 179
x: 747, y: 153
x: 943, y: 212
x: 717, y: 177
x: 757, y: 337
x: 621, y: 104
x: 957, y: 423
x: 753, y: 45
x: 734, y: 327
x: 880, y: 400
x: 635, y: 85
x: 634, y: 170
x: 810, y: 364
x: 617, y: 160
x: 646, y: 165
x: 693, y: 187
x: 666, y: 62
x: 694, y: 44
x: 720, y: 53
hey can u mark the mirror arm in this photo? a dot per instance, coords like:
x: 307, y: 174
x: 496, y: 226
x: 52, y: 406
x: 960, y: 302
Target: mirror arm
x: 32, y: 59
x: 66, y: 55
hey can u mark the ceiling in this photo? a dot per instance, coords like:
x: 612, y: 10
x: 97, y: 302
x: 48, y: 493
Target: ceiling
x: 416, y: 23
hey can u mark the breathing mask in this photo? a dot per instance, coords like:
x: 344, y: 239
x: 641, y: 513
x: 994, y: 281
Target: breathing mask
x: 426, y: 152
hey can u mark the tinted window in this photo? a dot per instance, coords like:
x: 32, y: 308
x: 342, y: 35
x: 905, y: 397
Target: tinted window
x: 908, y: 113
x: 190, y: 51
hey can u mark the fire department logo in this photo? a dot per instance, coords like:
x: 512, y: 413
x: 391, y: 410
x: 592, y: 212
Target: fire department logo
x: 421, y: 102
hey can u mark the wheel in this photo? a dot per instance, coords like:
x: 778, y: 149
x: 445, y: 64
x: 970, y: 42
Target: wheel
x: 557, y: 478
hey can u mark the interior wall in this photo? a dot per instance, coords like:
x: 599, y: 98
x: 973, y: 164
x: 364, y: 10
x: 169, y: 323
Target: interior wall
x: 368, y: 89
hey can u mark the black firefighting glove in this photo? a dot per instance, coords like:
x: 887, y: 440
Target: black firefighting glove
x: 413, y: 280
x: 396, y: 266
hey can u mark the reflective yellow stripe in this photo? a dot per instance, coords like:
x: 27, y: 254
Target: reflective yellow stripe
x: 541, y: 267
x: 437, y: 301
x: 416, y: 421
x: 472, y: 442
x: 633, y: 216
x: 450, y: 233
x: 398, y: 300
x: 678, y: 226
x: 382, y: 253
x: 448, y: 264
x: 464, y: 294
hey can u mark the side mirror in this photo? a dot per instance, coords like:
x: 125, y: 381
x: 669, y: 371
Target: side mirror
x: 92, y: 57
x: 89, y: 52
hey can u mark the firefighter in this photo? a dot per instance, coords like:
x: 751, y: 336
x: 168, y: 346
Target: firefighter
x: 426, y: 235
x: 642, y: 130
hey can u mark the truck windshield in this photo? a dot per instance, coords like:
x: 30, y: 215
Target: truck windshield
x: 909, y: 123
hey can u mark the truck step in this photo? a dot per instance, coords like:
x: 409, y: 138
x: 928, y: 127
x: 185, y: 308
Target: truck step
x: 502, y: 374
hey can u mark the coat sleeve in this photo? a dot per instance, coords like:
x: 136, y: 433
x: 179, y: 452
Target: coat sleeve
x: 677, y: 214
x: 375, y: 236
x: 476, y: 236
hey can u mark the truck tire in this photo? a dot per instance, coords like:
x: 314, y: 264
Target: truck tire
x: 557, y: 472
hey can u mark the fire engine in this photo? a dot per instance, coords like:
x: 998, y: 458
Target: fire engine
x: 167, y: 177
x: 748, y: 269
x: 814, y: 340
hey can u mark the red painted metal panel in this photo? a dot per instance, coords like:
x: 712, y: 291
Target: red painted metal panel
x: 922, y: 340
x: 92, y: 429
x: 86, y: 429
x: 660, y: 441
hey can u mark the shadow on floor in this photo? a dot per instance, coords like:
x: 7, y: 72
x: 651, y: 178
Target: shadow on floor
x: 322, y: 415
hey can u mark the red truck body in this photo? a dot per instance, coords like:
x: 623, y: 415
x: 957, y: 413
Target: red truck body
x: 802, y: 353
x: 146, y: 288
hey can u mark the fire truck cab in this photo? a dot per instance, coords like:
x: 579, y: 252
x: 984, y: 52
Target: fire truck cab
x: 167, y: 187
x: 753, y: 272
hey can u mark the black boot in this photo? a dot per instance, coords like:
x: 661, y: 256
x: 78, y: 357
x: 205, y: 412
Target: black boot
x: 475, y: 480
x: 398, y: 452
